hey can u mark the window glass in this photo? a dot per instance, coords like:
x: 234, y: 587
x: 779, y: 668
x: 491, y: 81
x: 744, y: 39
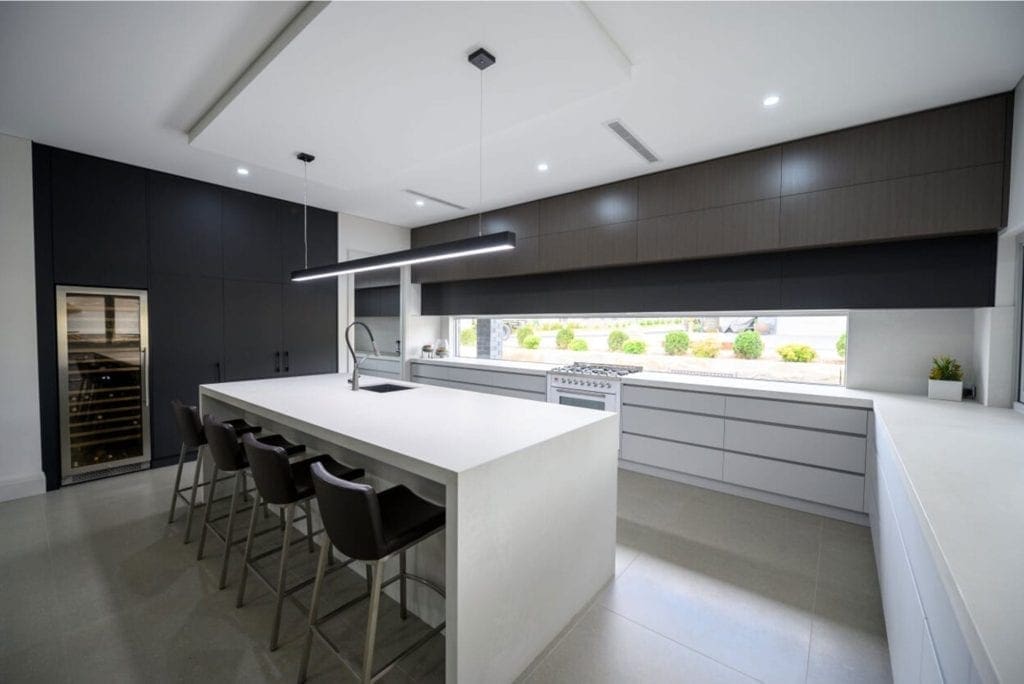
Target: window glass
x: 792, y: 348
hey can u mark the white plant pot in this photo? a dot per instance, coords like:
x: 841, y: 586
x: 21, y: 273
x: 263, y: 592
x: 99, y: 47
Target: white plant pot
x: 947, y: 390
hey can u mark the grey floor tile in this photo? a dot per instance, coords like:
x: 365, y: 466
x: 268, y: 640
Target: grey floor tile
x: 848, y: 643
x: 605, y: 647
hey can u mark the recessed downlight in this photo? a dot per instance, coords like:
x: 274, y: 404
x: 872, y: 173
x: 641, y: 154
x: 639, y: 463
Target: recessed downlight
x: 771, y: 100
x: 420, y: 203
x: 242, y: 171
x: 542, y: 166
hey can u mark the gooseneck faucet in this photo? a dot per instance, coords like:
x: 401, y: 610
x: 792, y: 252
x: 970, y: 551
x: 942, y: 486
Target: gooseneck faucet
x: 355, y: 360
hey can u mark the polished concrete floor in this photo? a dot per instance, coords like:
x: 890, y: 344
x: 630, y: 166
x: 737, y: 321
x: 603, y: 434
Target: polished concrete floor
x: 96, y: 587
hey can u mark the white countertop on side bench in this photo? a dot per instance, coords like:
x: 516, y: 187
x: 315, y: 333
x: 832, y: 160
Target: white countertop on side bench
x: 447, y: 430
x: 964, y: 466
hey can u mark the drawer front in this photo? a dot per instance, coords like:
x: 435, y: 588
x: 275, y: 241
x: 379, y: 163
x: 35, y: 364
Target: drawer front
x: 682, y: 458
x: 824, y: 449
x: 381, y: 365
x: 841, y: 490
x: 517, y: 381
x: 682, y: 427
x: 836, y: 418
x: 501, y: 391
x: 429, y: 370
x: 675, y: 400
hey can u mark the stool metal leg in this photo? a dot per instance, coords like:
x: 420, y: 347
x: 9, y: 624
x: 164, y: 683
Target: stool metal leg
x: 206, y: 513
x: 177, y: 484
x: 404, y: 612
x: 240, y: 599
x: 192, y: 496
x: 309, y: 527
x: 239, y: 484
x: 282, y: 573
x: 377, y: 569
x: 321, y: 568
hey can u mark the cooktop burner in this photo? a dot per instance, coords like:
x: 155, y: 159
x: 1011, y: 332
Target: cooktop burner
x: 599, y: 369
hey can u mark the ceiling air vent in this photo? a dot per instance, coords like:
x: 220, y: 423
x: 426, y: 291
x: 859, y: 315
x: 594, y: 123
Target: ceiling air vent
x: 627, y: 137
x: 425, y: 196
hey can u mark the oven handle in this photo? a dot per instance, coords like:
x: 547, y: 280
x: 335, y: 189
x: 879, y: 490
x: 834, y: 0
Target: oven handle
x: 559, y: 390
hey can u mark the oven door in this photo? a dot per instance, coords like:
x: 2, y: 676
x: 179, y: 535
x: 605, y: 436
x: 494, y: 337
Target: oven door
x: 601, y: 401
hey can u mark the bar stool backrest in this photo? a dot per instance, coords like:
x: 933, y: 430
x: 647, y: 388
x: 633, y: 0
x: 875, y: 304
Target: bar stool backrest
x: 227, y: 452
x: 190, y: 427
x: 351, y: 515
x: 271, y: 470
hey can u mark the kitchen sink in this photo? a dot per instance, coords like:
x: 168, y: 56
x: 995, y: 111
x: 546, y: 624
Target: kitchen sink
x: 386, y: 387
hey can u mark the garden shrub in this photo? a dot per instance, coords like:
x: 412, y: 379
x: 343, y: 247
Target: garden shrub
x: 706, y: 349
x: 522, y: 333
x: 530, y: 342
x: 841, y: 346
x: 797, y: 353
x: 615, y: 340
x: 578, y: 345
x: 467, y: 337
x: 564, y: 337
x: 634, y: 347
x: 676, y: 343
x: 748, y: 345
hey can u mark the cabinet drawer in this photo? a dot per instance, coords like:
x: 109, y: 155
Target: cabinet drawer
x: 675, y: 400
x: 429, y: 370
x: 484, y: 389
x: 802, y: 415
x: 824, y: 449
x: 387, y: 365
x: 682, y: 427
x: 683, y: 458
x: 517, y: 381
x: 842, y: 490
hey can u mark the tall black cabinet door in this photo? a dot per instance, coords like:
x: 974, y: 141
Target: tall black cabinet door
x: 184, y: 225
x: 251, y: 231
x: 98, y: 222
x: 186, y: 341
x: 321, y: 235
x: 311, y: 326
x: 252, y: 330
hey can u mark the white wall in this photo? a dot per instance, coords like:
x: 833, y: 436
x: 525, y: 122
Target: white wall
x: 20, y: 449
x: 359, y: 237
x: 892, y: 350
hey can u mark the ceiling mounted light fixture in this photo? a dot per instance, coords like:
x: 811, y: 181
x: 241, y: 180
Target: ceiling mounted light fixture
x: 242, y: 171
x: 542, y: 166
x: 771, y: 100
x: 481, y: 244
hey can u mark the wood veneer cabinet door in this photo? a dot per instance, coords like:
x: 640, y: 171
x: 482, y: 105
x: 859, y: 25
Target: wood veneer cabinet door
x: 521, y: 219
x: 961, y: 135
x: 947, y: 202
x: 735, y: 229
x: 604, y: 205
x: 588, y: 248
x: 739, y: 178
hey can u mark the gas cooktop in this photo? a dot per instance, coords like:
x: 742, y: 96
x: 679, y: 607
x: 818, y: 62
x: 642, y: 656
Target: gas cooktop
x: 606, y: 370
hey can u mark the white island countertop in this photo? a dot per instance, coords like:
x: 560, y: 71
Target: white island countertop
x: 444, y: 430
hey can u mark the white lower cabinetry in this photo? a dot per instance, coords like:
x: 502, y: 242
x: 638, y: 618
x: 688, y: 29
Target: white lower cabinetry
x: 520, y: 385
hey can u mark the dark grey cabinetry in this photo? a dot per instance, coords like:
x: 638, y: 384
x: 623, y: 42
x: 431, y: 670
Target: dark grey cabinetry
x: 98, y: 222
x: 184, y: 219
x: 251, y: 226
x: 377, y: 301
x: 310, y: 327
x: 321, y: 236
x: 252, y: 330
x: 186, y: 333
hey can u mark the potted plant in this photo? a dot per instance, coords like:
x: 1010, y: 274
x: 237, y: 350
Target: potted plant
x: 946, y: 379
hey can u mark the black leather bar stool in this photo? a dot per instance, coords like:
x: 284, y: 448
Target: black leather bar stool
x: 229, y: 456
x: 190, y: 427
x: 288, y: 485
x: 370, y: 527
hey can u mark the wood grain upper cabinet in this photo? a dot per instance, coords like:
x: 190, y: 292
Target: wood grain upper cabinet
x: 98, y: 222
x: 604, y: 205
x: 321, y: 235
x: 735, y: 229
x: 521, y: 219
x: 745, y: 177
x: 966, y: 134
x: 252, y: 237
x: 184, y: 225
x: 446, y: 231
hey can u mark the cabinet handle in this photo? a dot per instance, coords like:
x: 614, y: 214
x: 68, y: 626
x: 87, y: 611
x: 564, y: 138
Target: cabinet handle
x: 286, y: 362
x: 277, y: 362
x: 217, y: 364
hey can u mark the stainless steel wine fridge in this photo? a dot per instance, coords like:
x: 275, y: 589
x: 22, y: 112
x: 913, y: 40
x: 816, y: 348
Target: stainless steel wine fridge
x: 103, y: 372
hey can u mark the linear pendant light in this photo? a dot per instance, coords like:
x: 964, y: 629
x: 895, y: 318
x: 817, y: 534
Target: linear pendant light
x: 481, y: 244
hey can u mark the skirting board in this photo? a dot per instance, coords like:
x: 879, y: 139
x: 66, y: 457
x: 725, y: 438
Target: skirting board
x: 756, y: 494
x: 24, y: 485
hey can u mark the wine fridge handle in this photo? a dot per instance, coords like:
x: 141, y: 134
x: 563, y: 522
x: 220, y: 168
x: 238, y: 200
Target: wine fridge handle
x: 145, y: 376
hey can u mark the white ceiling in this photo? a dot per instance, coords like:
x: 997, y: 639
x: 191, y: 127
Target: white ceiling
x: 382, y: 94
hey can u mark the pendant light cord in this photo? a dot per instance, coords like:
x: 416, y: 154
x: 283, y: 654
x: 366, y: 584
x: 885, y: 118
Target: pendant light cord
x: 305, y: 212
x: 480, y: 166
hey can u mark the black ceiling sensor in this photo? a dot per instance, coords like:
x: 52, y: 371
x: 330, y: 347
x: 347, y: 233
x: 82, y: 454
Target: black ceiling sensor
x: 481, y: 59
x: 305, y: 157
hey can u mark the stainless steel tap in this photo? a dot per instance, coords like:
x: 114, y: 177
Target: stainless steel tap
x: 356, y: 360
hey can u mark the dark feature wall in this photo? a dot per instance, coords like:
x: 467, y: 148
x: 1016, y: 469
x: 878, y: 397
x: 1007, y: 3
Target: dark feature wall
x: 215, y: 262
x: 940, y: 173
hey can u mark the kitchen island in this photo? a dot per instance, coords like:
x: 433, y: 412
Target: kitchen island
x: 529, y: 489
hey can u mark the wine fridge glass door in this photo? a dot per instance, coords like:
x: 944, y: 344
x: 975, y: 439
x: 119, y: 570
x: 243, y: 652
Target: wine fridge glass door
x: 103, y: 371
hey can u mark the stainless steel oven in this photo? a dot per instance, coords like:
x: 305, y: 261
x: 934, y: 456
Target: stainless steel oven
x: 595, y: 386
